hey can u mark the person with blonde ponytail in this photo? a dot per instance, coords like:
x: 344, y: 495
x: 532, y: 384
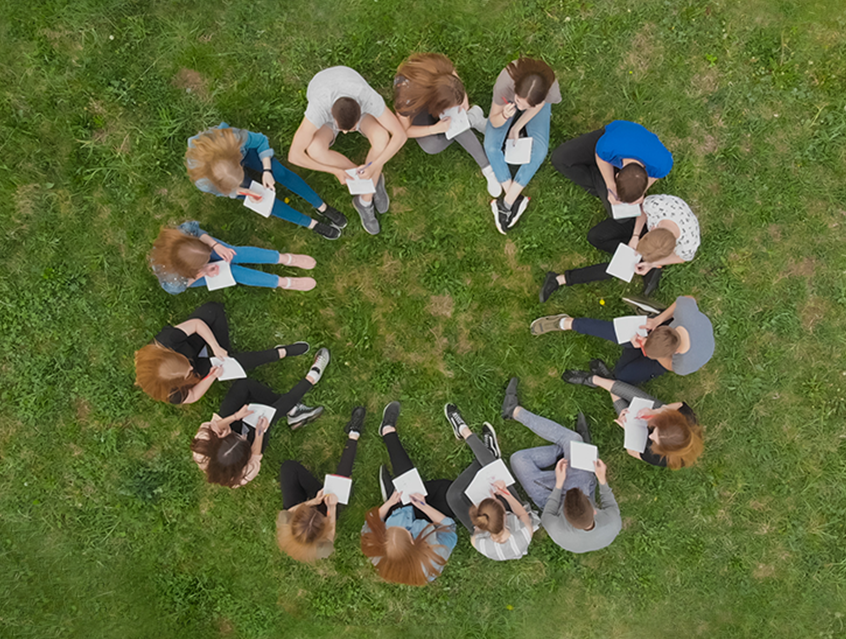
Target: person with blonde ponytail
x: 182, y: 258
x: 425, y: 86
x: 224, y: 161
x: 407, y: 544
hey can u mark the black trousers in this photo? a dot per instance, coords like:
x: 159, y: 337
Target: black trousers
x: 458, y: 501
x: 249, y: 391
x: 437, y: 488
x: 576, y: 160
x: 213, y: 314
x: 299, y: 485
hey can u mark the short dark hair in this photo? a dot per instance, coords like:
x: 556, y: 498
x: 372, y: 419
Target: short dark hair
x: 577, y: 509
x: 662, y: 342
x: 632, y: 181
x: 347, y: 113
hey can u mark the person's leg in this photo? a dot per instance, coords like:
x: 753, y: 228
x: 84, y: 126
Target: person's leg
x: 294, y: 183
x: 400, y: 462
x: 528, y: 467
x: 610, y: 233
x: 242, y: 392
x: 214, y: 315
x: 627, y: 392
x: 253, y: 359
x: 547, y: 429
x: 280, y: 209
x: 584, y: 275
x: 635, y: 368
x: 319, y: 150
x: 470, y: 143
x: 575, y: 159
x: 285, y: 403
x: 431, y: 144
x: 297, y: 484
x: 250, y: 255
x: 345, y: 466
x: 595, y: 327
x: 538, y: 129
x: 459, y: 503
x: 251, y: 277
x: 379, y: 139
x: 494, y: 141
x: 437, y: 490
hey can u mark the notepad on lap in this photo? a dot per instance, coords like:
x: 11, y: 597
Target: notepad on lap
x: 231, y: 368
x: 409, y: 483
x: 637, y: 432
x: 357, y: 186
x: 482, y: 485
x: 263, y: 206
x: 458, y: 121
x: 623, y: 263
x: 259, y: 411
x: 339, y: 486
x: 582, y: 455
x: 223, y: 279
x: 622, y: 210
x: 629, y: 326
x: 518, y: 151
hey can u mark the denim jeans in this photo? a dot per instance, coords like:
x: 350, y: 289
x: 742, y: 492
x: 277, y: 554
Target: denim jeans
x: 528, y: 465
x: 248, y: 276
x: 537, y: 129
x: 290, y: 181
x: 633, y: 367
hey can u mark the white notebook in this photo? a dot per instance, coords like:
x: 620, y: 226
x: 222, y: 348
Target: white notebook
x: 622, y: 210
x: 582, y: 456
x: 518, y: 151
x: 482, y: 485
x: 231, y: 368
x: 259, y: 411
x: 628, y: 326
x: 637, y: 431
x: 265, y: 204
x: 623, y: 263
x: 409, y: 483
x: 357, y: 186
x: 458, y: 121
x: 339, y: 486
x: 223, y: 279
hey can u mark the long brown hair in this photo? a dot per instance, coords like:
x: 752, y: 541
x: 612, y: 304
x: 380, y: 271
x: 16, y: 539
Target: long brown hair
x: 300, y: 536
x: 226, y: 457
x: 177, y: 252
x: 680, y: 438
x: 431, y: 85
x: 160, y: 371
x: 215, y: 155
x: 532, y: 79
x: 488, y: 516
x: 402, y: 560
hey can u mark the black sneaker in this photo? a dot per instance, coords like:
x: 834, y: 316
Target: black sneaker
x: 292, y: 350
x: 511, y: 401
x: 650, y: 281
x: 501, y: 213
x: 582, y: 428
x: 386, y: 484
x: 302, y: 415
x: 327, y: 230
x: 550, y: 285
x: 599, y: 368
x: 356, y: 423
x: 578, y: 377
x: 455, y: 419
x: 517, y: 210
x: 489, y: 439
x: 390, y: 416
x: 337, y: 218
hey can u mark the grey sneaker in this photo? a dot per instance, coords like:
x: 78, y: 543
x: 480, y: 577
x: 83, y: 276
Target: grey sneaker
x: 477, y: 118
x: 321, y: 361
x: 489, y: 439
x: 455, y: 419
x: 511, y: 400
x: 367, y: 215
x: 302, y: 415
x: 380, y: 197
x: 548, y: 324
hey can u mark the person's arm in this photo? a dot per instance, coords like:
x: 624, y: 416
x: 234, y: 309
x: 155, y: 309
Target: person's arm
x: 386, y: 507
x: 198, y: 326
x: 501, y: 113
x: 607, y: 171
x: 434, y: 515
x: 298, y: 155
x: 218, y: 247
x: 606, y: 495
x: 421, y: 131
x: 516, y: 506
x: 398, y: 137
x: 199, y: 389
x: 640, y: 221
x: 520, y: 124
x: 331, y: 502
x: 222, y: 424
x: 254, y: 464
x: 662, y: 317
x: 650, y: 182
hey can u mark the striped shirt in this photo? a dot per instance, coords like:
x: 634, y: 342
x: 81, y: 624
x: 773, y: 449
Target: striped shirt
x: 515, y: 547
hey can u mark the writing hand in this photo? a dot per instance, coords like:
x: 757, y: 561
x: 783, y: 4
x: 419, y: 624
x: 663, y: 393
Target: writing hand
x: 642, y: 268
x: 368, y: 172
x: 509, y: 110
x: 621, y: 418
x: 330, y: 500
x: 244, y: 412
x: 342, y: 176
x: 600, y: 469
x: 216, y: 372
x: 442, y: 126
x: 225, y: 252
x: 211, y: 270
x: 220, y: 353
x: 267, y: 180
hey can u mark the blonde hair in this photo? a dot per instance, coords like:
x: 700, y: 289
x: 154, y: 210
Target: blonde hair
x: 656, y: 245
x: 488, y: 516
x: 299, y: 537
x: 176, y: 252
x: 431, y: 85
x: 402, y: 559
x: 679, y: 439
x: 160, y: 372
x: 215, y: 156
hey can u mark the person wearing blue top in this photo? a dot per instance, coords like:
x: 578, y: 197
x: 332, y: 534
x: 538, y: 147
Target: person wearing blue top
x: 182, y: 258
x: 217, y: 159
x: 408, y: 544
x: 617, y: 163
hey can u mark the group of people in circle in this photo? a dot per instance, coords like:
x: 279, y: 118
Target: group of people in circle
x: 410, y: 538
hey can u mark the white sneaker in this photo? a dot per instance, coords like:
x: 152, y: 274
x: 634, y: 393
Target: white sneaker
x: 477, y: 118
x: 494, y: 187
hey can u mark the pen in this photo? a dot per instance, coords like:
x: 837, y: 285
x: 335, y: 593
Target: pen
x: 364, y: 167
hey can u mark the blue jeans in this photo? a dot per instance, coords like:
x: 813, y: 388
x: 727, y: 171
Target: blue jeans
x: 633, y: 367
x: 248, y: 276
x: 528, y: 465
x: 537, y: 129
x: 290, y: 181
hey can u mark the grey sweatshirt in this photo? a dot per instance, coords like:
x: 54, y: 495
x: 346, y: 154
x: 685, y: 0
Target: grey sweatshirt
x: 608, y: 523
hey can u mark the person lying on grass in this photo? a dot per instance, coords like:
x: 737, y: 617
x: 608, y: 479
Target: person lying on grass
x: 182, y: 258
x: 224, y: 161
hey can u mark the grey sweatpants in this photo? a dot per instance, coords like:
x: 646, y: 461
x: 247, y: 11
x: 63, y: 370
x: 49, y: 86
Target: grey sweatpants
x: 434, y: 144
x: 626, y: 393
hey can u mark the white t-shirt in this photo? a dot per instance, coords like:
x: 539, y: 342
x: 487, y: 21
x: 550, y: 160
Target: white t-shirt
x: 670, y: 207
x: 515, y: 547
x: 339, y: 82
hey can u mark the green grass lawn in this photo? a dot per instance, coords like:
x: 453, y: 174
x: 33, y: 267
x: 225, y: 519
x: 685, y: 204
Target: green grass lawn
x: 107, y: 528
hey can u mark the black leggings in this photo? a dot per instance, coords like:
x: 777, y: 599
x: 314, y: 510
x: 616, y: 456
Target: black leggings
x: 458, y: 501
x: 213, y: 314
x: 249, y: 391
x: 606, y: 236
x: 437, y: 488
x: 299, y: 485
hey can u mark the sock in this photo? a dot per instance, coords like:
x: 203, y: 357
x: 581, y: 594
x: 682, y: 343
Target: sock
x: 561, y: 323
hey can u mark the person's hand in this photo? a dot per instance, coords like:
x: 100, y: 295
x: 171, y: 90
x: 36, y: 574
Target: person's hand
x: 267, y: 180
x: 499, y: 487
x: 509, y: 110
x: 465, y: 103
x: 221, y: 428
x: 262, y: 425
x: 330, y: 500
x: 368, y: 172
x: 255, y: 197
x: 245, y: 410
x: 418, y: 500
x: 645, y: 413
x: 651, y: 324
x: 224, y: 252
x: 514, y: 133
x: 441, y: 126
x: 642, y: 268
x: 210, y: 270
x: 341, y: 175
x: 560, y: 472
x: 220, y: 353
x: 394, y: 499
x: 613, y: 198
x: 621, y: 418
x: 638, y: 341
x: 600, y: 469
x: 215, y: 372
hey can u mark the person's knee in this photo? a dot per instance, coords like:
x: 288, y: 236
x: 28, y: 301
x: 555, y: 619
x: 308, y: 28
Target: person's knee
x: 430, y: 145
x: 289, y: 468
x: 492, y: 146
